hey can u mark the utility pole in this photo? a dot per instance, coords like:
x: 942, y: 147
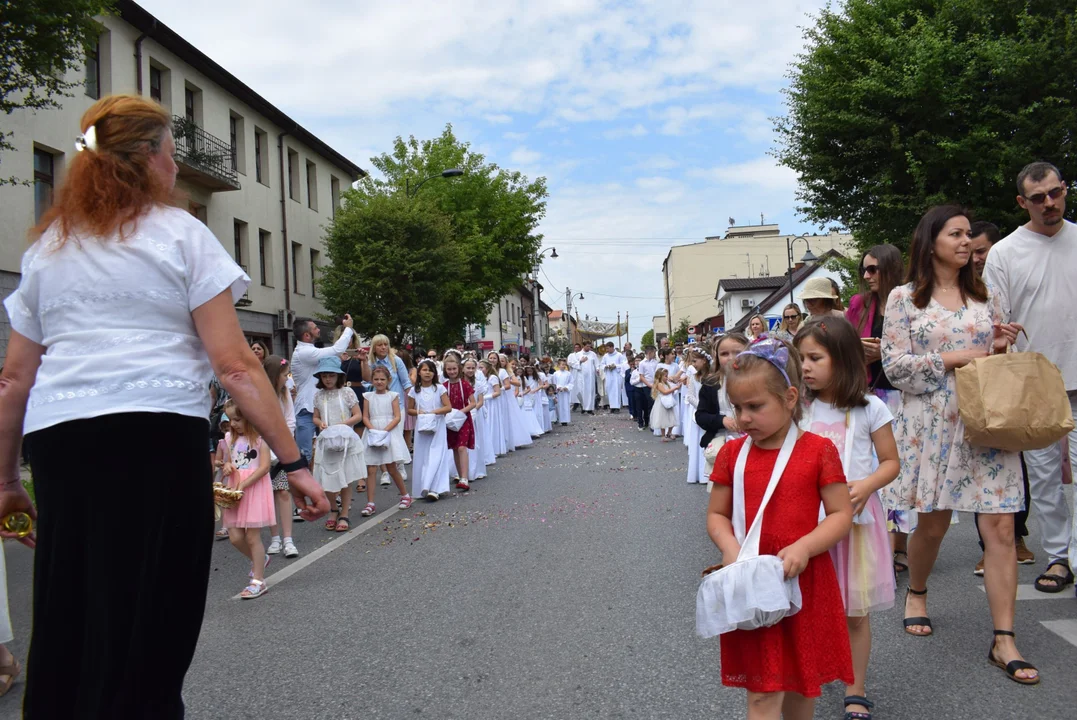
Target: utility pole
x: 535, y: 331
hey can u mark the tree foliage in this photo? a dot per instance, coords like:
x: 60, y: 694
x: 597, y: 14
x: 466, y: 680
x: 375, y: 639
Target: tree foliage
x: 647, y: 339
x: 680, y: 335
x: 557, y: 346
x: 897, y: 105
x: 491, y: 214
x: 41, y: 42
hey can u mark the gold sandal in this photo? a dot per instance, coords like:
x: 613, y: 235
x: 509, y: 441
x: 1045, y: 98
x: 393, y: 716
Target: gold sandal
x: 12, y: 672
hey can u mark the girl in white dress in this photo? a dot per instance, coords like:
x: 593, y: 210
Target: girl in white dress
x: 513, y: 385
x: 662, y: 418
x: 383, y: 416
x: 665, y: 362
x: 476, y: 457
x: 699, y: 361
x: 432, y: 463
x: 494, y: 427
x: 532, y: 394
x: 544, y: 420
x: 562, y: 382
x: 507, y: 397
x: 335, y: 404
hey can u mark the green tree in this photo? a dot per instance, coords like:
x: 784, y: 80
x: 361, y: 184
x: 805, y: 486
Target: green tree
x: 680, y: 335
x: 388, y: 258
x: 557, y: 346
x: 492, y: 214
x: 41, y: 42
x: 647, y: 339
x: 897, y: 105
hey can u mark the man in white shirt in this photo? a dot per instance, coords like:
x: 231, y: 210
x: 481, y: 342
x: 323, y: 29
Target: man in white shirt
x: 305, y: 359
x: 574, y: 366
x: 613, y: 367
x: 644, y: 402
x: 587, y: 375
x: 1033, y: 271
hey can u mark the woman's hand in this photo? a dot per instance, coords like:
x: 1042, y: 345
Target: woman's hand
x: 1005, y: 335
x: 960, y: 358
x: 859, y: 494
x: 14, y: 499
x: 872, y: 349
x: 794, y: 559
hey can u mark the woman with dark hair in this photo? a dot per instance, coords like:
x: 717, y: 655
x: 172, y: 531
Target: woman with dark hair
x: 115, y: 265
x: 940, y: 320
x: 881, y: 270
x: 260, y: 350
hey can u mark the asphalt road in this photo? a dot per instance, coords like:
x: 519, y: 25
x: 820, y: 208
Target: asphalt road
x: 563, y: 586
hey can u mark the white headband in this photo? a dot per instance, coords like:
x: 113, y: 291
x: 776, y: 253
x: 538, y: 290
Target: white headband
x: 87, y: 140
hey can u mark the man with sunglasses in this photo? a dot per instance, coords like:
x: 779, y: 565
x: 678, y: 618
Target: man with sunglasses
x: 1033, y: 271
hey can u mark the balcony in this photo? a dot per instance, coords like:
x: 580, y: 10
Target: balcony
x: 203, y: 159
x: 244, y: 301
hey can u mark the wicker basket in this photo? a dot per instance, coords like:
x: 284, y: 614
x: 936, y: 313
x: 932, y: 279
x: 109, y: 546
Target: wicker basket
x: 226, y: 497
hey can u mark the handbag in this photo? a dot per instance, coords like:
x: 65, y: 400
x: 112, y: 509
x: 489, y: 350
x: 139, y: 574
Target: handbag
x: 668, y: 401
x: 426, y: 423
x: 752, y: 592
x: 1014, y: 401
x: 377, y: 438
x: 455, y: 419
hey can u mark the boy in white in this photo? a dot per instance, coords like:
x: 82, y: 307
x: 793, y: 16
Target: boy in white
x: 573, y: 358
x: 1032, y: 272
x: 562, y: 381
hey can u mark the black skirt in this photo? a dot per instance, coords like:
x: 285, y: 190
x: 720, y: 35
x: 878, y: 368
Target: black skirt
x: 121, y: 570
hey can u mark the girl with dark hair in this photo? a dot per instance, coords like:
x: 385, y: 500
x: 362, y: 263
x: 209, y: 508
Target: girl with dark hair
x: 940, y: 320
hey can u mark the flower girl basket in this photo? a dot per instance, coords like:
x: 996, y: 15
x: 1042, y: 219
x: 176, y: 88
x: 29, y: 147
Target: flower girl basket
x: 752, y: 592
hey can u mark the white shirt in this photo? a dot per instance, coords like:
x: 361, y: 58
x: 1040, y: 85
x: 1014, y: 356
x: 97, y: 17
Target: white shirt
x: 115, y: 319
x: 647, y: 369
x: 1035, y: 280
x: 829, y: 422
x: 305, y: 359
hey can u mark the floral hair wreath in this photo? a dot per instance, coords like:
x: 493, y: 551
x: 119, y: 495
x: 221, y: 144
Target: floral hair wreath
x: 773, y: 351
x: 87, y: 140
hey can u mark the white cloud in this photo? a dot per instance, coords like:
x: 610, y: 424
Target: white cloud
x: 524, y: 156
x: 515, y: 135
x: 761, y: 172
x: 636, y: 130
x: 500, y: 119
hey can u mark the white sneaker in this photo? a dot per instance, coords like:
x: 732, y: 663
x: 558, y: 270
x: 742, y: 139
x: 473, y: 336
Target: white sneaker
x: 274, y: 547
x: 403, y: 471
x: 384, y: 479
x: 290, y: 550
x: 432, y: 496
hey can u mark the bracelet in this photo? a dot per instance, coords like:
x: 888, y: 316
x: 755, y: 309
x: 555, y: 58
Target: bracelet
x: 294, y: 466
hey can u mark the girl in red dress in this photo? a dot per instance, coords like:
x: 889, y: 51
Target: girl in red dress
x: 783, y: 666
x: 461, y: 397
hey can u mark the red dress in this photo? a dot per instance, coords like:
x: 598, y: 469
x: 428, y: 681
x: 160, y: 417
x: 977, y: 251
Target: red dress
x: 459, y: 392
x: 810, y: 649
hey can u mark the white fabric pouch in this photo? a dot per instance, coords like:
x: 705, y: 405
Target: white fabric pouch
x: 336, y: 439
x: 668, y: 401
x: 455, y: 419
x: 377, y: 438
x: 752, y: 592
x: 426, y: 423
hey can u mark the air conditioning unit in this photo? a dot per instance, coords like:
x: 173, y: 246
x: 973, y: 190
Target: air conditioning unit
x: 285, y: 319
x: 746, y: 304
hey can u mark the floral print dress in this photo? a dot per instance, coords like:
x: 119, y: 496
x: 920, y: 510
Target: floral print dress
x: 940, y: 470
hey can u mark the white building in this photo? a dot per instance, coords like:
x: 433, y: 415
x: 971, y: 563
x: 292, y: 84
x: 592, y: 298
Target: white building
x: 510, y: 323
x: 263, y: 184
x: 740, y: 298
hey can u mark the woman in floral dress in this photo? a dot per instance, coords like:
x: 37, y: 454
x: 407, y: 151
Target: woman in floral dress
x: 943, y: 319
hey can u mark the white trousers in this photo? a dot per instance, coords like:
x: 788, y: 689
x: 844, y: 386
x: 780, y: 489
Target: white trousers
x: 1049, y: 505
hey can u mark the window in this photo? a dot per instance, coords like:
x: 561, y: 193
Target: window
x: 44, y: 181
x: 261, y: 169
x: 233, y: 141
x: 293, y: 175
x: 237, y: 239
x: 314, y: 273
x: 93, y: 72
x: 192, y: 105
x: 334, y: 195
x: 188, y: 104
x: 237, y: 142
x: 155, y: 83
x: 265, y: 268
x: 297, y: 252
x: 312, y: 186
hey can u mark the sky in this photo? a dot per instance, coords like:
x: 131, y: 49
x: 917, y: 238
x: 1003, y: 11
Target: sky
x: 649, y: 120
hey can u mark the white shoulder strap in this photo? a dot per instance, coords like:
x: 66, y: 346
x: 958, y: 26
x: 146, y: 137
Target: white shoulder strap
x: 749, y: 543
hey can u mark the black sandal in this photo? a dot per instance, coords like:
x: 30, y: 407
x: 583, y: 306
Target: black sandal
x: 924, y: 621
x: 1012, y: 666
x: 899, y: 566
x: 858, y: 700
x: 1058, y: 583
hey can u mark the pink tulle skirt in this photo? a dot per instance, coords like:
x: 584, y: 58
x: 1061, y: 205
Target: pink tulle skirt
x: 256, y: 509
x: 863, y: 564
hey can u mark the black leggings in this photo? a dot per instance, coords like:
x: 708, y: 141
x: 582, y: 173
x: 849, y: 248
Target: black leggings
x: 121, y: 570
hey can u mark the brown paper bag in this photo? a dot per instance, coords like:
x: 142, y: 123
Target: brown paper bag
x: 1015, y: 401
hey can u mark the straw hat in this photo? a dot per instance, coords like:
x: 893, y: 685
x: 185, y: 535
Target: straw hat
x: 818, y: 288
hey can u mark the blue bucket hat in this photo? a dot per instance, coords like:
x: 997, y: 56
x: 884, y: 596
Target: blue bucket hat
x: 329, y: 365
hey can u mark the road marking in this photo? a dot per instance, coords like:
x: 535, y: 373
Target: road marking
x: 294, y: 567
x: 1029, y: 592
x: 1065, y: 629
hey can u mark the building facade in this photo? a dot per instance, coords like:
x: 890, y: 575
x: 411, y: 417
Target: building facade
x: 510, y: 324
x: 262, y: 183
x: 740, y: 298
x: 691, y: 272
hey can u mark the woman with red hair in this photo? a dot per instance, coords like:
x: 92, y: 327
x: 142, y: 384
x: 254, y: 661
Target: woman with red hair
x: 122, y: 297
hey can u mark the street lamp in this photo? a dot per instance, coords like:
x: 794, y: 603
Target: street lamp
x: 809, y: 257
x: 450, y: 173
x: 535, y: 299
x: 569, y: 297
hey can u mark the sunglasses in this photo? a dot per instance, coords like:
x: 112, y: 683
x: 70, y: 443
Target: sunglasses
x: 1041, y: 198
x: 791, y: 317
x: 870, y: 269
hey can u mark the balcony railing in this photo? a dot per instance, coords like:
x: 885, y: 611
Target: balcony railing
x: 244, y: 301
x: 203, y: 158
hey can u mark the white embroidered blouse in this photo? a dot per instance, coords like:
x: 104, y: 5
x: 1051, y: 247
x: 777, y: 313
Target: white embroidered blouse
x: 115, y: 319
